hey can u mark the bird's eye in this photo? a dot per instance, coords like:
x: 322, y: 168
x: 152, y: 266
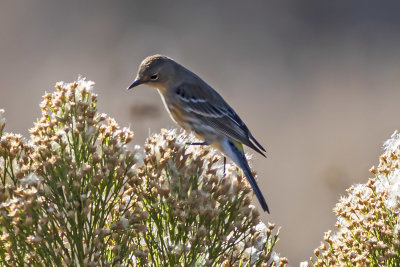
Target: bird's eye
x: 154, y: 77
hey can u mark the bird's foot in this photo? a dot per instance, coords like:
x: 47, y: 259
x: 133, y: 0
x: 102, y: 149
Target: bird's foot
x: 224, y: 165
x: 197, y: 144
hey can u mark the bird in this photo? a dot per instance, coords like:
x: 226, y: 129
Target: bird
x: 198, y: 108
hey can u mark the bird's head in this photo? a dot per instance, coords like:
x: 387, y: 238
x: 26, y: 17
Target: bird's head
x: 155, y: 71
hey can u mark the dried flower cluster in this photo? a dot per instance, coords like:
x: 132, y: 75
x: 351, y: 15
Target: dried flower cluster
x: 75, y: 194
x: 368, y: 219
x: 197, y: 215
x: 66, y: 195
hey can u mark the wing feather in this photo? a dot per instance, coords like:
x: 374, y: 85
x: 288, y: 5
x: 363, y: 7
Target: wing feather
x: 211, y: 109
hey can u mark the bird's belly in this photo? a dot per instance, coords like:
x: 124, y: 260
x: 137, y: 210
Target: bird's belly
x: 190, y: 123
x: 178, y: 116
x: 198, y: 128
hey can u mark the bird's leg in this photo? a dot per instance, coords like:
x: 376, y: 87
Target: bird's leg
x: 197, y: 144
x: 224, y: 164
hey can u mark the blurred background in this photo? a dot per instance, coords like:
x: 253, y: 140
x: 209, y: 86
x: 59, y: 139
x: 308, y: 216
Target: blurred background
x: 317, y: 82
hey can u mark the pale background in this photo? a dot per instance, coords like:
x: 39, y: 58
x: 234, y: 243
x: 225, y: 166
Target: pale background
x: 317, y: 82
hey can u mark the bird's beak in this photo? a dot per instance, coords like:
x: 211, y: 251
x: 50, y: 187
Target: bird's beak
x: 135, y: 83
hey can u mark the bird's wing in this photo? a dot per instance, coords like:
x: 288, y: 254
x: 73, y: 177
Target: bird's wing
x: 212, y: 110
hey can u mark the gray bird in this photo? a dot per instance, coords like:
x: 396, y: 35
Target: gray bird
x: 197, y: 107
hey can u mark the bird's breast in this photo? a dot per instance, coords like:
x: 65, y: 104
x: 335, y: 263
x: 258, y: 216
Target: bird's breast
x: 174, y: 111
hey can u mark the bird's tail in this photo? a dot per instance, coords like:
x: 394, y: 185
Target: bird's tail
x: 235, y: 151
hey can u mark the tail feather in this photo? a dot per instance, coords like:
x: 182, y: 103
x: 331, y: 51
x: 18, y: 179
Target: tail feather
x: 251, y: 145
x: 240, y: 159
x: 257, y: 143
x: 256, y: 189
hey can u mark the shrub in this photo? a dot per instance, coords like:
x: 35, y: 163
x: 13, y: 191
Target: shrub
x: 368, y: 219
x: 77, y: 194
